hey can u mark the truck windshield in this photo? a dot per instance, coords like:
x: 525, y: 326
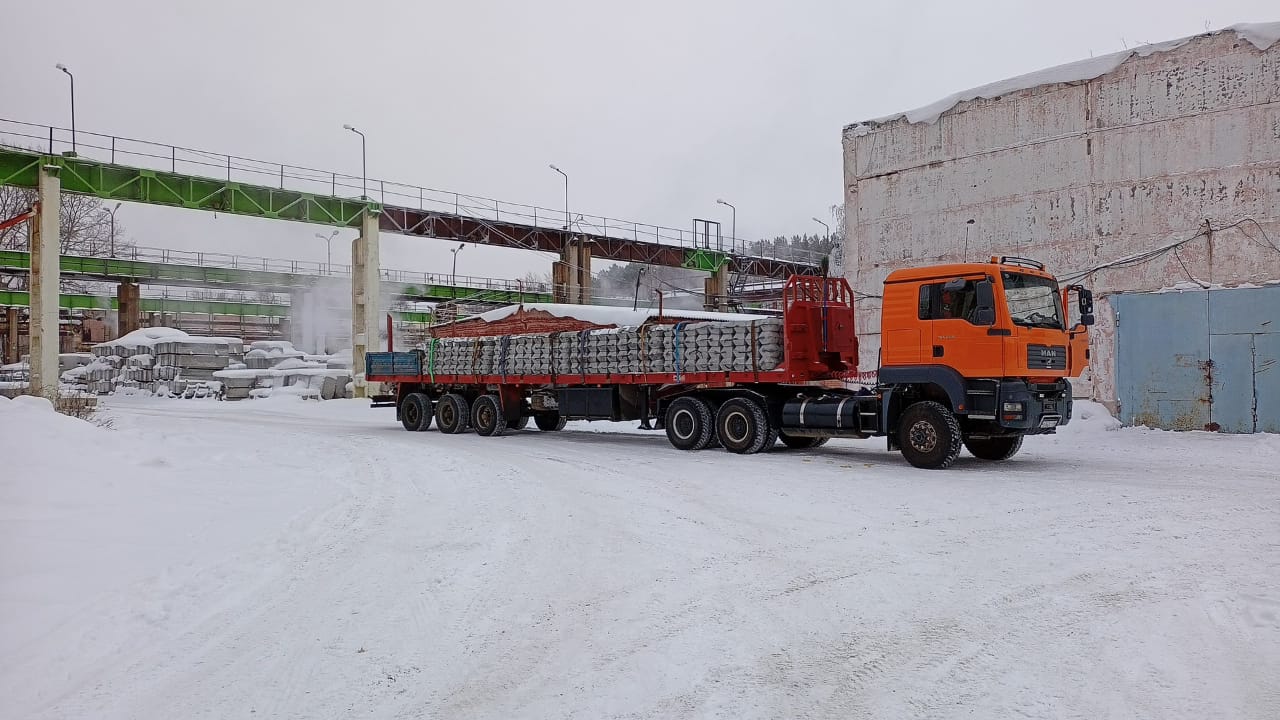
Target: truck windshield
x: 1033, y: 301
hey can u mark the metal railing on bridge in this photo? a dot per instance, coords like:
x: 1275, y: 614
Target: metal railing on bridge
x: 116, y: 149
x: 230, y: 261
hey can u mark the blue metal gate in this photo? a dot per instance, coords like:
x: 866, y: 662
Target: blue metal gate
x: 1200, y: 360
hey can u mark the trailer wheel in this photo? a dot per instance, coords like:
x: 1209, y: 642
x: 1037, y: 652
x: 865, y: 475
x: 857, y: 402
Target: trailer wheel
x: 743, y: 427
x: 929, y: 435
x: 519, y: 423
x: 415, y: 412
x: 486, y: 416
x: 549, y: 421
x: 802, y: 443
x: 996, y: 448
x: 453, y: 414
x: 689, y: 425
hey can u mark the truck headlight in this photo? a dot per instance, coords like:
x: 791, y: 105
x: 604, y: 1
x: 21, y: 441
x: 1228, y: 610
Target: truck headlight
x: 1014, y: 410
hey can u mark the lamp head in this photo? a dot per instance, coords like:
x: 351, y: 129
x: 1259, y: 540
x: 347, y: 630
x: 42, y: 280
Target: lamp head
x: 61, y: 67
x: 347, y: 127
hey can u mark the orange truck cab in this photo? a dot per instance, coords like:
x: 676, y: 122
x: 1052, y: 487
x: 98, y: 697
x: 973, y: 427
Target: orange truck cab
x: 991, y: 342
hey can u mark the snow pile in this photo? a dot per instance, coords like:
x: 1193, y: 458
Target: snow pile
x: 1089, y: 418
x: 1261, y: 35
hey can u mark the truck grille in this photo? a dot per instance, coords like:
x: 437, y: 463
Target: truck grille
x: 1047, y: 357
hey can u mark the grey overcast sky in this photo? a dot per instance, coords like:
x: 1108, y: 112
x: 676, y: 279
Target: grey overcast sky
x: 654, y: 108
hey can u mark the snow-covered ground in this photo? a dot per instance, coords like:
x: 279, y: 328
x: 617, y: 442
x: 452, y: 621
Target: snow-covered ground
x: 293, y: 559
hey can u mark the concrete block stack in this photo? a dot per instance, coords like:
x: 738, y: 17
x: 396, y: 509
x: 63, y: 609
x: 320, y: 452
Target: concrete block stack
x: 687, y: 347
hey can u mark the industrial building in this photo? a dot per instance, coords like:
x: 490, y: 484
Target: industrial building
x: 1151, y: 176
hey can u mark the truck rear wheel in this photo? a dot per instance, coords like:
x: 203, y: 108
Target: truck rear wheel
x: 519, y: 423
x: 415, y: 412
x: 929, y: 435
x: 486, y: 416
x: 453, y: 414
x: 802, y: 443
x: 743, y: 426
x: 689, y: 424
x: 995, y: 448
x: 549, y: 421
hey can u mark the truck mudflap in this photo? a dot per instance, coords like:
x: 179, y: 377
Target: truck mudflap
x: 1033, y: 408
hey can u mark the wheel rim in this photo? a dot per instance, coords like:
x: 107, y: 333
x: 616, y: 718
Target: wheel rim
x: 447, y: 415
x: 411, y: 413
x: 923, y: 436
x: 682, y: 424
x: 485, y: 416
x: 736, y: 427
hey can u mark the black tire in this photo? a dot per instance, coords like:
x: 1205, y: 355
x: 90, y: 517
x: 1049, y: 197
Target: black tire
x: 453, y: 414
x: 487, y: 417
x: 995, y: 448
x: 743, y: 427
x: 519, y: 423
x: 549, y: 421
x: 688, y: 423
x: 929, y: 435
x: 415, y: 412
x: 802, y: 443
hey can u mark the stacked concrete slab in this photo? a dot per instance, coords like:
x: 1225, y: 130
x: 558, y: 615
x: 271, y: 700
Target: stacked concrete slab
x: 686, y: 347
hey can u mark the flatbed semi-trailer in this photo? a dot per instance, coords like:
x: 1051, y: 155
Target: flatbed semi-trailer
x: 973, y: 355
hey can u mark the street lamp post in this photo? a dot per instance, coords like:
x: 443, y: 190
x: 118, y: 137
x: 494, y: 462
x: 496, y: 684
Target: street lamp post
x: 825, y: 227
x: 733, y: 229
x: 567, y: 223
x: 364, y: 166
x: 64, y: 69
x: 453, y: 276
x: 112, y: 214
x: 328, y: 250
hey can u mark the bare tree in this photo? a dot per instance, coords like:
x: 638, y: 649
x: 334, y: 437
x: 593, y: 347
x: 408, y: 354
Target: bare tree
x: 85, y: 228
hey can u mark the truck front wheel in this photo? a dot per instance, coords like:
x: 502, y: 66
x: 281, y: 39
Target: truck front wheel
x: 453, y: 414
x: 929, y: 435
x: 995, y: 448
x: 415, y: 412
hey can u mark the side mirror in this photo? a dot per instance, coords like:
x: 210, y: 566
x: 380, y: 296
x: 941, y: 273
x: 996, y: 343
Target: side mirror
x: 985, y: 314
x: 1087, y: 319
x: 954, y: 285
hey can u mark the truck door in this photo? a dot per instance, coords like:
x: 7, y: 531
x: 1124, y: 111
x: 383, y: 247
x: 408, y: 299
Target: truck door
x: 958, y: 341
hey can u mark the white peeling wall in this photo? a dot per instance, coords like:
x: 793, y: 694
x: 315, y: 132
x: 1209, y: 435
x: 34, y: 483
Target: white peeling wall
x: 1080, y: 175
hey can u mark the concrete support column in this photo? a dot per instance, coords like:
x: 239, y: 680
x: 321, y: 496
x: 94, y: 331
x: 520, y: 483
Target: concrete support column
x: 129, y: 308
x: 11, y: 330
x: 365, y: 289
x: 44, y: 282
x: 716, y: 289
x: 571, y: 276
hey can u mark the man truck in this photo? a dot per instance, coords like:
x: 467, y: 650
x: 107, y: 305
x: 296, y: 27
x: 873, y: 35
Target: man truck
x: 972, y: 354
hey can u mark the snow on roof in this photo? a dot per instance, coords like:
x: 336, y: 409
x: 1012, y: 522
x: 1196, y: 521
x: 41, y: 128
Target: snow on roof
x: 606, y: 315
x: 149, y: 336
x: 1261, y: 35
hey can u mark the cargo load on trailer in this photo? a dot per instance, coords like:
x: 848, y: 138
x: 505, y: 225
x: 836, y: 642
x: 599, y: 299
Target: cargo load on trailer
x: 973, y: 355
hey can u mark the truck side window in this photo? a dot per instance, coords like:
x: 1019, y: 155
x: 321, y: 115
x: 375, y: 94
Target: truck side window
x: 949, y: 305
